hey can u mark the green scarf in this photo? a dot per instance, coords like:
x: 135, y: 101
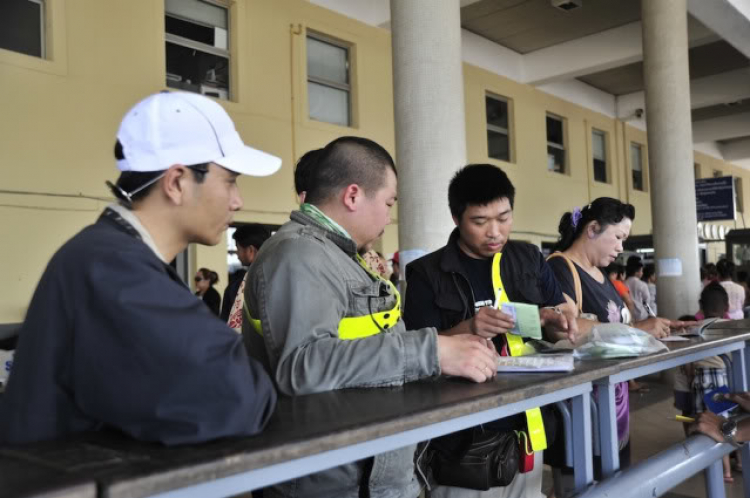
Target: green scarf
x: 321, y: 218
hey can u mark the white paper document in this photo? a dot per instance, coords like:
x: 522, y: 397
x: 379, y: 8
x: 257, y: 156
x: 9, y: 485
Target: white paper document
x: 673, y: 338
x: 700, y: 329
x: 536, y: 363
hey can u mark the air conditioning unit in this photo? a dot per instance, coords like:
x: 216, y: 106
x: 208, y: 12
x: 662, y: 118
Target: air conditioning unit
x: 567, y: 5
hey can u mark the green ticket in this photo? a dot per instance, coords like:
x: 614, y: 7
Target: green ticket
x: 526, y: 317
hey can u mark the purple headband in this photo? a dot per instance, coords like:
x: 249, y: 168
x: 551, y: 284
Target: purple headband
x: 575, y: 217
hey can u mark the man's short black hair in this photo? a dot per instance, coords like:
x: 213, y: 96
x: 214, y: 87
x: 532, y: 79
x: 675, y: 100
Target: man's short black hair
x: 251, y: 235
x: 347, y: 161
x: 303, y: 170
x: 714, y: 300
x: 633, y: 266
x: 478, y: 185
x: 612, y: 269
x: 725, y: 269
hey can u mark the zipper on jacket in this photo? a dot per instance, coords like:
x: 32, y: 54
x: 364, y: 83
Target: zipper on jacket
x: 468, y: 309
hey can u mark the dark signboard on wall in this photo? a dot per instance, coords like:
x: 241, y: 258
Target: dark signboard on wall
x: 714, y: 198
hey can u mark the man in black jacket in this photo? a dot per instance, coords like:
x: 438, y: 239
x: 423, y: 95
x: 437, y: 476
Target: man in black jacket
x: 113, y: 338
x: 249, y: 239
x: 453, y: 288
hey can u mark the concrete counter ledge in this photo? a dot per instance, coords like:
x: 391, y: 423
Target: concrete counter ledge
x: 310, y: 433
x: 306, y: 434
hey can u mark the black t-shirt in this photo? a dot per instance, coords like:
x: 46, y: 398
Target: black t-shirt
x: 601, y: 299
x: 479, y: 272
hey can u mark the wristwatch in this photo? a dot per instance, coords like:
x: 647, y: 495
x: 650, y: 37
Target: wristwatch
x: 729, y: 431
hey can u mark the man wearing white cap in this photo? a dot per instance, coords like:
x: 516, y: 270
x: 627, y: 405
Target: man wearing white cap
x: 113, y: 338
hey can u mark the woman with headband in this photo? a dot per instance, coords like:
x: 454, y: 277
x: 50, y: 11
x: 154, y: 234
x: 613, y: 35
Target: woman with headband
x: 591, y: 239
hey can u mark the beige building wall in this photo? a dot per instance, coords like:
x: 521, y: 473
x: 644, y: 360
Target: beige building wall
x: 60, y: 116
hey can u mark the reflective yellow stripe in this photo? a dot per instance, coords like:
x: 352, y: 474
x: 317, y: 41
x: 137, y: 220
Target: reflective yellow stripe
x: 257, y: 326
x: 357, y: 327
x: 535, y: 423
x: 534, y: 420
x: 515, y: 343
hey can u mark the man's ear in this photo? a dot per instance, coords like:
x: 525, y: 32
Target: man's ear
x: 455, y: 220
x: 173, y: 183
x: 353, y: 195
x: 252, y: 254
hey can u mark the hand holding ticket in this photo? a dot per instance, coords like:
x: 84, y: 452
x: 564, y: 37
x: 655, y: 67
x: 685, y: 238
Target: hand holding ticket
x: 526, y: 318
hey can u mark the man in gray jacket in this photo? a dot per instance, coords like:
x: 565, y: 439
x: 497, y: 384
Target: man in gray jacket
x: 319, y: 320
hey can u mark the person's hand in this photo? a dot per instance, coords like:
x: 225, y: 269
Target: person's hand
x: 551, y: 317
x: 467, y: 356
x: 489, y: 322
x: 563, y: 320
x: 569, y: 311
x: 657, y: 327
x: 679, y: 326
x: 742, y: 399
x: 709, y: 423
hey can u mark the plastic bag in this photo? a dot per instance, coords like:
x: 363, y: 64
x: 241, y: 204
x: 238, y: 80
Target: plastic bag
x: 615, y: 340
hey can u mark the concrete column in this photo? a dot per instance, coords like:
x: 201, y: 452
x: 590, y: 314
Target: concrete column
x: 428, y: 99
x: 670, y: 153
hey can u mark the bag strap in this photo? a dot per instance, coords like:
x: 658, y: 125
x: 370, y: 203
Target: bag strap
x: 574, y: 274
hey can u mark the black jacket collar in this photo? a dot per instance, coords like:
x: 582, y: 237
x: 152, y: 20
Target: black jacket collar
x: 450, y: 261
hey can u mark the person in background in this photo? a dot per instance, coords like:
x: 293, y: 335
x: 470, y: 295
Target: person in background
x: 303, y: 172
x: 649, y: 277
x: 736, y: 292
x: 710, y: 274
x: 375, y: 262
x: 383, y: 265
x: 205, y: 280
x: 249, y: 239
x: 113, y: 338
x: 396, y: 273
x: 615, y: 273
x: 742, y: 278
x: 709, y: 373
x: 638, y: 288
x: 683, y: 379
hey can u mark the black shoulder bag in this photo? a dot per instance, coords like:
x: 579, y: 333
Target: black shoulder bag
x: 476, y: 458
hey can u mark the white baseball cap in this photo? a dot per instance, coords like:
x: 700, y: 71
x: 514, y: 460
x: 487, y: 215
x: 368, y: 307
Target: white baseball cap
x: 170, y: 128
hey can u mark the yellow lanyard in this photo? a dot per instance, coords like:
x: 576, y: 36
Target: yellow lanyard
x: 515, y: 343
x: 516, y: 347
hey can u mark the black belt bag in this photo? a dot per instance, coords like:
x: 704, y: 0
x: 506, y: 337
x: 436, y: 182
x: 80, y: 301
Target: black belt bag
x: 476, y: 458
